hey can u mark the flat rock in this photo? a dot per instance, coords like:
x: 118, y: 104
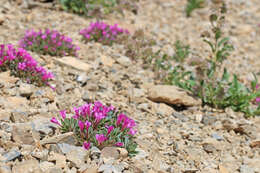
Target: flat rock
x: 77, y: 156
x: 5, y: 77
x: 13, y: 102
x: 25, y: 90
x: 5, y: 115
x: 107, y: 61
x: 27, y: 166
x: 8, y: 156
x: 172, y: 95
x: 21, y: 133
x: 73, y: 63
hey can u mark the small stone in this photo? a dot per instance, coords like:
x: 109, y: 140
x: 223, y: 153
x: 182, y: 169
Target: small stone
x: 42, y: 155
x: 5, y: 115
x: 59, y: 159
x: 107, y: 168
x: 209, y: 148
x: 93, y: 169
x: 124, y: 61
x: 21, y: 133
x: 54, y: 170
x: 110, y: 152
x: 255, y: 144
x: 82, y: 78
x: 66, y: 148
x: 246, y: 169
x: 25, y: 90
x: 170, y: 94
x: 222, y: 169
x: 73, y: 63
x: 77, y: 157
x: 5, y: 77
x: 19, y: 116
x: 180, y: 116
x: 217, y: 136
x: 43, y: 126
x: 45, y: 165
x: 5, y: 169
x: 14, y: 102
x: 27, y: 166
x: 12, y: 155
x: 208, y: 120
x: 107, y: 61
x: 95, y: 153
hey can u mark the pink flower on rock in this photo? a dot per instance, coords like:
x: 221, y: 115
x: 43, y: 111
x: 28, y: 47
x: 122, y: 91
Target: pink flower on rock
x: 101, y: 138
x: 63, y: 114
x: 110, y: 129
x: 55, y: 121
x: 81, y: 125
x: 86, y: 145
x: 119, y: 144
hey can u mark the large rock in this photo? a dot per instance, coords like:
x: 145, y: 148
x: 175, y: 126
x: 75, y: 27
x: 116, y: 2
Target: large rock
x: 73, y: 63
x: 27, y: 166
x: 172, y: 95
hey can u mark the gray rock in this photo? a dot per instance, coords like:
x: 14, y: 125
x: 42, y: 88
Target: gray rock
x: 5, y: 169
x: 124, y: 61
x: 11, y: 155
x: 19, y: 116
x: 25, y: 90
x: 43, y: 127
x: 209, y: 148
x: 77, y: 157
x: 66, y: 148
x: 217, y: 137
x: 246, y: 169
x: 180, y: 116
x: 95, y: 153
x: 208, y: 119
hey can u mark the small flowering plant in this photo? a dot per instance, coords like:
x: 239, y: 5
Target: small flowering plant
x: 99, y: 125
x: 48, y: 42
x: 102, y: 32
x: 22, y: 65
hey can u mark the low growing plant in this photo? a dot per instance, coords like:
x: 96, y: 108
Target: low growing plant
x: 192, y: 5
x: 181, y: 51
x: 209, y: 80
x: 102, y: 32
x: 48, y: 42
x: 99, y: 125
x: 22, y: 65
x: 96, y: 8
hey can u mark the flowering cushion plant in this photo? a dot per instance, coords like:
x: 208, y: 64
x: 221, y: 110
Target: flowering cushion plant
x: 99, y: 125
x: 102, y: 32
x: 21, y: 64
x: 48, y: 42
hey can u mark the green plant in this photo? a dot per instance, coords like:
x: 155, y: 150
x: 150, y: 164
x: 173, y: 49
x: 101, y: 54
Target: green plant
x: 99, y: 125
x: 210, y: 80
x: 181, y: 51
x: 192, y: 5
x: 92, y: 8
x: 74, y: 6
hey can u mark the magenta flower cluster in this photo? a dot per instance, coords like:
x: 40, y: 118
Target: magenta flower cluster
x: 21, y: 64
x: 257, y: 100
x: 48, y: 42
x: 98, y: 125
x: 102, y: 32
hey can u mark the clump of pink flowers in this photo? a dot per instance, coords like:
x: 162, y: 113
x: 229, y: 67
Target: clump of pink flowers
x: 257, y: 100
x: 102, y: 32
x: 99, y: 125
x: 22, y: 65
x: 48, y: 42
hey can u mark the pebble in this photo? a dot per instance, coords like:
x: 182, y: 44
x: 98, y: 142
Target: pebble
x: 11, y: 155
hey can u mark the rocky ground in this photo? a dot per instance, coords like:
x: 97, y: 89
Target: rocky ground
x: 197, y: 139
